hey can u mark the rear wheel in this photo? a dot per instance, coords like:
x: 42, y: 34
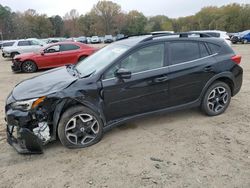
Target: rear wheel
x: 216, y: 99
x: 29, y: 66
x: 80, y: 127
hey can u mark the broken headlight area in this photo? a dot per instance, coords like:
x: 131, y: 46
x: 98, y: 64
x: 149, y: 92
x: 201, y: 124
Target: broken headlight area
x: 27, y: 126
x: 27, y: 104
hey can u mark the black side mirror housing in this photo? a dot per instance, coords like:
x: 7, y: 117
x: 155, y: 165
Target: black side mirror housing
x: 123, y: 73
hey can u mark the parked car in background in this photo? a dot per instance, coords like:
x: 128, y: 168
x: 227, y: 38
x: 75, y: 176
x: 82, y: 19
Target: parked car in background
x: 54, y: 55
x: 82, y: 39
x: 119, y: 37
x: 108, y: 39
x: 54, y: 39
x: 217, y: 34
x: 162, y: 32
x: 7, y: 43
x: 129, y: 79
x: 21, y: 46
x: 89, y: 40
x: 242, y: 37
x: 41, y: 42
x: 95, y: 40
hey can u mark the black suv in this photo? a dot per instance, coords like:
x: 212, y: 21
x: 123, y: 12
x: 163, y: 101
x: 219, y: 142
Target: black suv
x: 131, y: 78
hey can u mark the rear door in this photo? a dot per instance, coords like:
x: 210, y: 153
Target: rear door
x: 145, y: 91
x: 69, y: 53
x: 191, y: 66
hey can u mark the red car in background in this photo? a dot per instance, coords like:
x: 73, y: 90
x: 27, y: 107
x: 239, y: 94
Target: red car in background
x: 54, y: 55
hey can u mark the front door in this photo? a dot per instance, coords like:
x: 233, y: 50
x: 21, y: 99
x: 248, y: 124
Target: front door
x: 145, y: 91
x: 50, y: 57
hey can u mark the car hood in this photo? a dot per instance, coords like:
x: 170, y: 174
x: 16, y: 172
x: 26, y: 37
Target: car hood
x: 44, y: 84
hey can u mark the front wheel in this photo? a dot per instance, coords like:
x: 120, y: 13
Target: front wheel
x: 216, y: 99
x: 29, y: 66
x: 80, y: 127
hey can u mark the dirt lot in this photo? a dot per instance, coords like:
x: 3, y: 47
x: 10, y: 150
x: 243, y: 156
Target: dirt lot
x: 191, y: 150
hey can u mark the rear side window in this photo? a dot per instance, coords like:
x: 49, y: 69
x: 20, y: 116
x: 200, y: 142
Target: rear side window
x: 68, y: 47
x: 213, y: 48
x: 184, y: 51
x: 6, y: 44
x: 24, y: 43
x: 203, y: 50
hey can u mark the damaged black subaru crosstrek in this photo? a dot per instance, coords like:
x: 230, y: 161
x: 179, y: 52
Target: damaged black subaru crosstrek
x: 131, y: 78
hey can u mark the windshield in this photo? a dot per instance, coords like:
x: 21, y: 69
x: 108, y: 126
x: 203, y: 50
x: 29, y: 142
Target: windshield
x: 100, y: 59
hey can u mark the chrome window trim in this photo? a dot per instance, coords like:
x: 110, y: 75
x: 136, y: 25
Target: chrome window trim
x: 186, y: 62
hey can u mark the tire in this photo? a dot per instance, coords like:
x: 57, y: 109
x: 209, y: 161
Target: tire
x: 216, y: 99
x: 80, y: 127
x: 13, y: 54
x: 244, y: 41
x: 81, y: 58
x: 29, y: 66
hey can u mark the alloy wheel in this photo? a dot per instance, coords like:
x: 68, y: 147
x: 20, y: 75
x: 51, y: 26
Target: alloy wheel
x: 82, y: 129
x: 218, y: 99
x: 29, y: 66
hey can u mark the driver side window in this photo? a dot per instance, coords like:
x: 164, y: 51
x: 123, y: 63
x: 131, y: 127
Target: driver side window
x: 144, y: 59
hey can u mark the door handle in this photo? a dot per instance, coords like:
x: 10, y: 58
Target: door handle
x: 208, y: 69
x: 161, y: 79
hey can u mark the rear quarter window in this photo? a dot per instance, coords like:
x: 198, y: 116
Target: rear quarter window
x: 214, y: 48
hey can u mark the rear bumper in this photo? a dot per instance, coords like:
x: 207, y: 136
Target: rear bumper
x: 26, y: 143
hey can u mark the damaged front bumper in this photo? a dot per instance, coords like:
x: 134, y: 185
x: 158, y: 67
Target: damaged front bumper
x: 26, y: 132
x: 26, y: 142
x: 16, y: 66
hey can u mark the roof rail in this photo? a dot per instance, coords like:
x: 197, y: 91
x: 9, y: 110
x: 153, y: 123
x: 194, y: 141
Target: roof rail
x: 181, y: 35
x: 136, y: 35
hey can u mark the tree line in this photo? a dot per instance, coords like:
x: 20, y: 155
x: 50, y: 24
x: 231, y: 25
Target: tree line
x: 107, y: 17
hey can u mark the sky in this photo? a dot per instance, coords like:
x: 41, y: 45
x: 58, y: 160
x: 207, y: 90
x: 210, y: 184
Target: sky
x: 170, y: 8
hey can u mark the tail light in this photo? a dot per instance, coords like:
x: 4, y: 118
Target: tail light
x: 236, y: 59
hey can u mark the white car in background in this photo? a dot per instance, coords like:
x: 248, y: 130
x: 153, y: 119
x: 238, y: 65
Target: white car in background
x: 22, y: 46
x: 216, y: 33
x: 95, y: 39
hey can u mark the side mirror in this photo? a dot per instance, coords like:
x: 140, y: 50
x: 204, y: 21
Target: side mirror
x: 42, y: 52
x: 123, y: 73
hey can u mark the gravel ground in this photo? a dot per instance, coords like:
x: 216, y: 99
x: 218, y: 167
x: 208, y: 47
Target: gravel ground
x: 179, y: 149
